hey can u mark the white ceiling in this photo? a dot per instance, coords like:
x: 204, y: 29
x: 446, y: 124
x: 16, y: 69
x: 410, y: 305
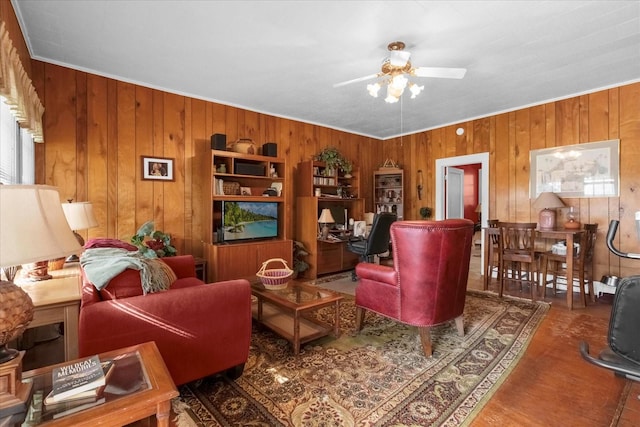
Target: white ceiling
x: 283, y: 57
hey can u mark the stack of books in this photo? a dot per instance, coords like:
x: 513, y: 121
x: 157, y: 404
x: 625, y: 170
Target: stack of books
x: 78, y: 385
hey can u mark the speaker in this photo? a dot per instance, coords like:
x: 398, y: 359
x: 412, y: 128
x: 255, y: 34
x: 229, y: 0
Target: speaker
x: 270, y: 149
x: 218, y: 141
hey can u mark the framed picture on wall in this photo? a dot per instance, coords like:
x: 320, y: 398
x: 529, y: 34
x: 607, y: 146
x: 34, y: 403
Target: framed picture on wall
x: 580, y: 170
x: 157, y: 168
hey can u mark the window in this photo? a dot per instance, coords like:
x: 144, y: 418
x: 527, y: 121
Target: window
x: 17, y: 151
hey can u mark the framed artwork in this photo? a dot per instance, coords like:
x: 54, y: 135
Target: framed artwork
x: 581, y: 170
x: 157, y: 168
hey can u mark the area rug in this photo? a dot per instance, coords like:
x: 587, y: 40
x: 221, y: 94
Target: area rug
x: 378, y: 377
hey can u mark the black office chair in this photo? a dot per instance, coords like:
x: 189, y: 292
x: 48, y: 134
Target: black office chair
x: 376, y: 243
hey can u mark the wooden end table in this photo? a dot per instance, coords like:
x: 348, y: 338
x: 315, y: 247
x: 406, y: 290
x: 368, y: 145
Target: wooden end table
x: 57, y: 300
x: 139, y: 387
x: 287, y: 312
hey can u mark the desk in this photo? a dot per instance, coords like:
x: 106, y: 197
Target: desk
x: 557, y: 234
x: 57, y: 300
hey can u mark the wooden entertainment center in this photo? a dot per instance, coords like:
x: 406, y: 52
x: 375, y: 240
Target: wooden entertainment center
x: 238, y: 177
x: 341, y: 195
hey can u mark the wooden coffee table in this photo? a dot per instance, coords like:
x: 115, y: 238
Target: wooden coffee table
x: 289, y: 312
x: 140, y: 386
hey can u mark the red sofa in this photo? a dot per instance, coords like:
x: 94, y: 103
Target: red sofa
x: 200, y: 329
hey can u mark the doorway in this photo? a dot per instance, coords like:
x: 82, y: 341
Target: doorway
x: 440, y: 173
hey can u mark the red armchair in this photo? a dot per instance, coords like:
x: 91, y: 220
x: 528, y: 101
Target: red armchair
x: 200, y: 329
x: 428, y: 281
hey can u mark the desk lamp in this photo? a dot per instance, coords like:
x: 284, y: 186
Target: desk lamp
x: 80, y: 217
x: 325, y: 219
x: 32, y: 228
x: 548, y: 202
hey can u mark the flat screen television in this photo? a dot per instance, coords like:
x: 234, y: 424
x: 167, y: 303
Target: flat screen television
x: 249, y: 220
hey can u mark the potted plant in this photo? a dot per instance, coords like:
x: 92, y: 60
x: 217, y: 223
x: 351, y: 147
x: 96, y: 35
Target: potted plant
x: 299, y: 254
x: 334, y: 160
x: 425, y: 212
x: 153, y: 243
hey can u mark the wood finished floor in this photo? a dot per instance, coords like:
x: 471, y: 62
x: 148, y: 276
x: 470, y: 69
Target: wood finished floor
x: 551, y: 385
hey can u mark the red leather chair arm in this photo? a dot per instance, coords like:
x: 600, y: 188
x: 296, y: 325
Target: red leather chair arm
x: 378, y: 273
x: 378, y: 289
x: 200, y: 330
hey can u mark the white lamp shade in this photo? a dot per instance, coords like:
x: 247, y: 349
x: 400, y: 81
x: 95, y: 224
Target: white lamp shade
x: 79, y: 215
x: 33, y: 226
x: 326, y: 217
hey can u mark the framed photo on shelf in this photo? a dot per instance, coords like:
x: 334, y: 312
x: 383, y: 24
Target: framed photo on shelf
x: 580, y: 170
x: 157, y: 168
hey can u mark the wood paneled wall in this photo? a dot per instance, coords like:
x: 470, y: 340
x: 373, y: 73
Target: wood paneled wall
x: 97, y: 128
x: 508, y: 138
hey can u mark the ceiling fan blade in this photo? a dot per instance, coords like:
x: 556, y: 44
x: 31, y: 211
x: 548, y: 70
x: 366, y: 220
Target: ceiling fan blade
x: 439, y: 72
x: 359, y: 79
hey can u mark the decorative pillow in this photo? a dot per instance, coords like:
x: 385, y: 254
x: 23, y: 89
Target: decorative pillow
x: 158, y: 276
x: 109, y: 243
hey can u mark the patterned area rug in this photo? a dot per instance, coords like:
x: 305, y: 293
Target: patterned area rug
x: 378, y: 377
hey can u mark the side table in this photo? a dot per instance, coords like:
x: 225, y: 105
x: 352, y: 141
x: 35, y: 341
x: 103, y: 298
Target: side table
x: 140, y: 386
x: 57, y: 300
x: 201, y: 269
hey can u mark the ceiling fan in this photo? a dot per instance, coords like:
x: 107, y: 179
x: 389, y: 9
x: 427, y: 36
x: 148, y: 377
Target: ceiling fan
x: 394, y: 71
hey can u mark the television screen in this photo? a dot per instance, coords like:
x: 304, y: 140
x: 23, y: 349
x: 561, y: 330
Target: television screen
x: 249, y: 220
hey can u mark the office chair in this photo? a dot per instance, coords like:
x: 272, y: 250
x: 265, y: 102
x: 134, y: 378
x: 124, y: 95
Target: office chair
x: 376, y: 243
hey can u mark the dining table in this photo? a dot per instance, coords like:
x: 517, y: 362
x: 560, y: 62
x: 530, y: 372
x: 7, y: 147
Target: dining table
x: 567, y: 234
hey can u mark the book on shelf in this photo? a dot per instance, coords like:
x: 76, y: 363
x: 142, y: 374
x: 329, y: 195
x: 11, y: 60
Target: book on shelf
x: 81, y: 376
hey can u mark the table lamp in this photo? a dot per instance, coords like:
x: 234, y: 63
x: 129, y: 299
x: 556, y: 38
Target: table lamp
x: 32, y: 228
x: 80, y: 217
x: 548, y: 202
x: 325, y: 219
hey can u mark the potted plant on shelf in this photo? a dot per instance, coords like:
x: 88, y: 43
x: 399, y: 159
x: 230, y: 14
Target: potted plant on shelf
x: 153, y: 243
x: 334, y: 160
x: 299, y: 263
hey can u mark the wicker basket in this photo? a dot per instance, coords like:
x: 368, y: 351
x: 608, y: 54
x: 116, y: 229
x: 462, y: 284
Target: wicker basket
x: 275, y: 278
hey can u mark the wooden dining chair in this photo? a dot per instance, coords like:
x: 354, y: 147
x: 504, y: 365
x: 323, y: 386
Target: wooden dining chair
x: 555, y: 265
x: 518, y: 262
x: 493, y: 262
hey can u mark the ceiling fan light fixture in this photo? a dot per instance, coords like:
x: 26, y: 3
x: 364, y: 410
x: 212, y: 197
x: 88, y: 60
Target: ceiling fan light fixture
x: 391, y: 99
x: 399, y: 82
x: 374, y: 89
x: 415, y: 89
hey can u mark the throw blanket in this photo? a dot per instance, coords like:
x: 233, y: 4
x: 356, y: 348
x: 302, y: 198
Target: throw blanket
x: 103, y: 264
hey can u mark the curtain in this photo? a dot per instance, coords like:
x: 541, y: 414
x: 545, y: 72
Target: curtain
x: 17, y: 88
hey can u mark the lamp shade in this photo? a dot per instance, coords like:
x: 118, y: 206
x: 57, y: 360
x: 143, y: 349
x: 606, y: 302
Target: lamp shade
x: 326, y: 217
x: 548, y: 200
x: 32, y: 225
x: 79, y: 215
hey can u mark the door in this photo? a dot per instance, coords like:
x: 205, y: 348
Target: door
x: 454, y: 188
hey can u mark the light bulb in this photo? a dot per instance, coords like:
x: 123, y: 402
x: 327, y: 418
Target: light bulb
x: 373, y: 89
x: 415, y: 90
x: 399, y: 82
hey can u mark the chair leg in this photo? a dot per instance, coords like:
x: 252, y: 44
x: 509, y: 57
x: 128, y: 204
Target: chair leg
x: 359, y: 318
x: 425, y: 338
x: 460, y: 325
